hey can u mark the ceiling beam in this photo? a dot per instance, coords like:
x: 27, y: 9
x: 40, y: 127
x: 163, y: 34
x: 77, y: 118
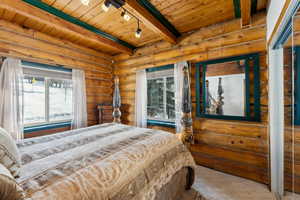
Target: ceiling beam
x: 254, y: 6
x: 43, y: 13
x: 237, y: 8
x: 151, y: 21
x: 151, y: 8
x: 246, y: 12
x: 244, y: 9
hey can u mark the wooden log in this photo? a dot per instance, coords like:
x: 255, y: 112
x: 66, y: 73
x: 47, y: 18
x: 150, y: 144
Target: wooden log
x: 242, y: 36
x: 28, y: 53
x: 231, y: 141
x: 234, y: 155
x: 237, y: 128
x: 227, y: 166
x: 226, y: 51
x: 26, y: 37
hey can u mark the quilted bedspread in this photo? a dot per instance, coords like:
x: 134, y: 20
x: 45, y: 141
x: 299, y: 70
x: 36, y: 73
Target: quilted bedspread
x: 102, y: 162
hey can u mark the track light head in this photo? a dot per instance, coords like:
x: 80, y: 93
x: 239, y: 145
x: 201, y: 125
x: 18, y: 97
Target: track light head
x: 138, y: 33
x: 126, y: 16
x: 85, y: 2
x: 116, y: 3
x: 106, y: 5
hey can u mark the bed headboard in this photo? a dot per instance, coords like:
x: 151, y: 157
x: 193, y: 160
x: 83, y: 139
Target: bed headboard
x: 117, y: 102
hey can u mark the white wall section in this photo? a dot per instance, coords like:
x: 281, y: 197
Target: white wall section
x: 276, y: 119
x: 274, y: 12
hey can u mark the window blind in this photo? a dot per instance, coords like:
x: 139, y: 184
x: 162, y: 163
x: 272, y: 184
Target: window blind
x: 160, y: 74
x: 43, y: 70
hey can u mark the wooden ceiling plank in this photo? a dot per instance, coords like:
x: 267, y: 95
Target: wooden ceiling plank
x: 83, y: 10
x: 201, y: 12
x: 246, y: 12
x: 192, y: 17
x: 61, y: 4
x: 35, y: 13
x: 150, y: 21
x: 50, y: 2
x: 73, y: 5
x: 190, y: 6
x: 98, y: 16
x: 167, y: 4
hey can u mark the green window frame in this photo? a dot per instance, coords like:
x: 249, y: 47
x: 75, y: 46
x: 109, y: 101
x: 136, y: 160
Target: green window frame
x: 157, y: 122
x: 297, y: 86
x: 201, y: 99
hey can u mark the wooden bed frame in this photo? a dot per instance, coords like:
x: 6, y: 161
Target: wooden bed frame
x: 186, y: 135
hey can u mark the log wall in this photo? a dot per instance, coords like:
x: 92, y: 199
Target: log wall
x: 30, y: 45
x: 235, y: 147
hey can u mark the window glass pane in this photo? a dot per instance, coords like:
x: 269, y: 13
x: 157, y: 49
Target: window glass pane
x: 170, y: 98
x: 34, y: 99
x: 225, y: 88
x: 60, y: 100
x: 155, y: 108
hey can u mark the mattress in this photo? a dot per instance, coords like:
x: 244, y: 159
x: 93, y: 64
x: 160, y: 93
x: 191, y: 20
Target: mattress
x: 104, y: 162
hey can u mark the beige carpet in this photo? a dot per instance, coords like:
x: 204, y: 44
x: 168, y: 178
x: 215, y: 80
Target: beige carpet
x: 214, y: 185
x: 192, y: 195
x: 291, y: 196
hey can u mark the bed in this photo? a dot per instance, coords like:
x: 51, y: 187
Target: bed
x: 103, y: 162
x: 110, y: 162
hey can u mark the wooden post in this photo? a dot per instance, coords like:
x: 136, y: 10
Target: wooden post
x: 117, y: 102
x: 186, y: 120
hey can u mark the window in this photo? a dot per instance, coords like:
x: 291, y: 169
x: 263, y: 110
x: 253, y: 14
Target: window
x: 229, y: 88
x: 47, y: 95
x: 60, y: 100
x: 34, y: 100
x: 161, y: 94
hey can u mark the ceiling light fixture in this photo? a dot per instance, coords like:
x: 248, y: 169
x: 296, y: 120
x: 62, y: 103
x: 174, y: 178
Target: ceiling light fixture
x: 126, y: 15
x: 116, y: 3
x: 138, y: 32
x: 85, y: 2
x: 106, y: 5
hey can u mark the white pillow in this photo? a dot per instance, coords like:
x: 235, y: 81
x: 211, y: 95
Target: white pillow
x: 9, y: 153
x: 9, y: 188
